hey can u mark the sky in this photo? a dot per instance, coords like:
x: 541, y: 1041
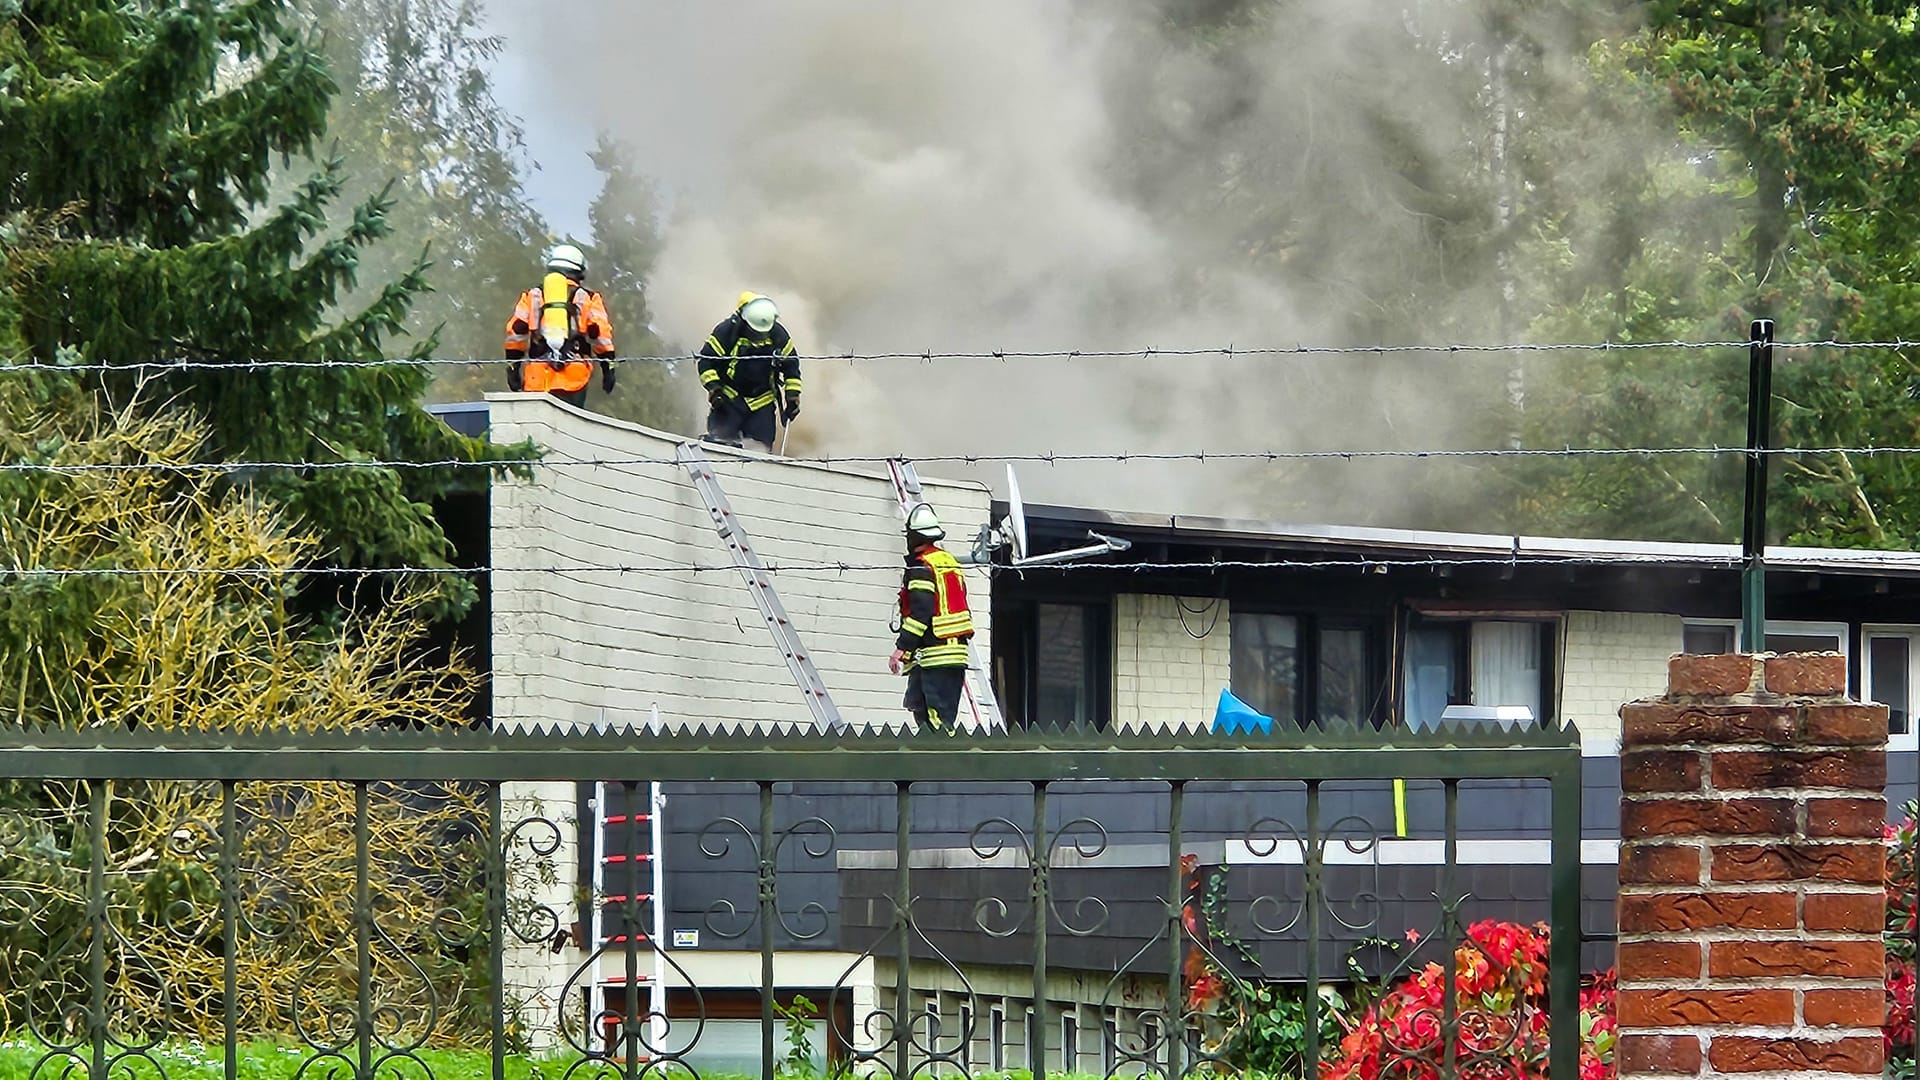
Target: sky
x: 564, y: 183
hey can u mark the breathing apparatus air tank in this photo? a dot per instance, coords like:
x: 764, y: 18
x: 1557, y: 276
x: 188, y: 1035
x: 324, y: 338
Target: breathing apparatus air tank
x: 556, y: 296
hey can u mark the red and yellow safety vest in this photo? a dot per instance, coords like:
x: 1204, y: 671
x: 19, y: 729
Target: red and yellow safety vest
x: 952, y: 624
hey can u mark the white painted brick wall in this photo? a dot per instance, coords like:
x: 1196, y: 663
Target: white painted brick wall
x: 570, y: 648
x: 1162, y: 673
x: 1612, y: 658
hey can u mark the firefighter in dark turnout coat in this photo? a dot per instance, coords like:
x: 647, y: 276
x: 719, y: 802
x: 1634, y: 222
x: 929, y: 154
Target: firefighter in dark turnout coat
x: 749, y: 371
x: 935, y: 626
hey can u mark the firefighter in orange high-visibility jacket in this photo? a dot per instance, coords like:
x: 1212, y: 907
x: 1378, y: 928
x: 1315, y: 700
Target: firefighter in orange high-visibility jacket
x: 557, y: 330
x: 935, y: 626
x: 749, y: 370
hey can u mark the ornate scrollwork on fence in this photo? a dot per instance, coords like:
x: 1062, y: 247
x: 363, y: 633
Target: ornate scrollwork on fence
x: 1088, y: 839
x: 367, y: 918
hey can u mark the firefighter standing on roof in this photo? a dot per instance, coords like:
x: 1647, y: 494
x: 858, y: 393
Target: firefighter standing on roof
x: 749, y: 371
x: 556, y: 328
x: 935, y: 626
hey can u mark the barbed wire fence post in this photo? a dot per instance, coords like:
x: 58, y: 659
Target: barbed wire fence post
x: 1753, y: 523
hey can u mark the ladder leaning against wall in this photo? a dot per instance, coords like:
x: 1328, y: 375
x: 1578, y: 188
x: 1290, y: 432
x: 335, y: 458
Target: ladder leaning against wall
x: 629, y: 904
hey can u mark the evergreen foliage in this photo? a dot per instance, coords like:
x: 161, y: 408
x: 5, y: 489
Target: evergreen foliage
x: 151, y: 134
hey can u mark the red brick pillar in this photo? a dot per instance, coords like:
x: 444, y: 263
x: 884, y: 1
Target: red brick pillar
x: 1751, y: 872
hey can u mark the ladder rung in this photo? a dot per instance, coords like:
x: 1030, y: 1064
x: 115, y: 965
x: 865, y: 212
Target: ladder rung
x: 621, y: 939
x: 622, y: 898
x: 621, y: 819
x: 624, y: 858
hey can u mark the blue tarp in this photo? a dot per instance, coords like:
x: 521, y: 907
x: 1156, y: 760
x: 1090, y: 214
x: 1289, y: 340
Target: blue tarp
x: 1234, y: 717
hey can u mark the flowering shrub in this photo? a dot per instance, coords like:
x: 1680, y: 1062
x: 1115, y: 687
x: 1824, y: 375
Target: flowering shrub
x: 1500, y: 987
x: 1900, y: 937
x: 1500, y: 984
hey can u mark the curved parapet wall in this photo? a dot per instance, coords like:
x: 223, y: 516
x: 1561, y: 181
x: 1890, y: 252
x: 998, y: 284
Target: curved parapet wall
x: 578, y: 647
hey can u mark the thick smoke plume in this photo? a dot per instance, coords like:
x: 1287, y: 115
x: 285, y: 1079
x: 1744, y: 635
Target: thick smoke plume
x: 1020, y: 175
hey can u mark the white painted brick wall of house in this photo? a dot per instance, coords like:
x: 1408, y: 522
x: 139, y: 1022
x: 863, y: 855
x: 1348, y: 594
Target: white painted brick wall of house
x: 1163, y: 674
x: 570, y: 648
x: 1608, y: 659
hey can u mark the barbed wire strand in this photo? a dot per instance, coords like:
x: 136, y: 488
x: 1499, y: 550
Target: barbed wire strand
x: 1363, y: 564
x: 929, y: 354
x: 1046, y: 458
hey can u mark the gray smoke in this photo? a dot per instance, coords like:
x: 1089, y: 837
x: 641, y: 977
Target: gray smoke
x: 1039, y: 174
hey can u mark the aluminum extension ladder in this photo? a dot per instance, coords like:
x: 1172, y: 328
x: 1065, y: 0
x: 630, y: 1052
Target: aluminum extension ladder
x: 760, y: 584
x: 977, y: 692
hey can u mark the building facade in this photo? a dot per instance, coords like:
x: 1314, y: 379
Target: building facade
x: 614, y: 602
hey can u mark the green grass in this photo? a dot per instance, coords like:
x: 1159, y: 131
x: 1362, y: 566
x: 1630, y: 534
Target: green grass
x: 274, y: 1061
x: 264, y: 1060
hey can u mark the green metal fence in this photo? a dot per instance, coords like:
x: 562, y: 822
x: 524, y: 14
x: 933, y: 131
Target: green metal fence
x: 277, y: 902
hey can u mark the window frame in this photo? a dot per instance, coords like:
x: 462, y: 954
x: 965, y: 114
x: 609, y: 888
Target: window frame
x: 1372, y: 675
x: 1308, y: 626
x: 1306, y: 648
x: 997, y: 1036
x: 1035, y: 1015
x: 1069, y: 1041
x: 1021, y: 619
x: 964, y: 1019
x: 1840, y: 630
x: 1551, y: 627
x: 1910, y: 738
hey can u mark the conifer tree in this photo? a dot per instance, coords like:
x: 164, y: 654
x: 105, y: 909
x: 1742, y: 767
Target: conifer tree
x: 147, y: 135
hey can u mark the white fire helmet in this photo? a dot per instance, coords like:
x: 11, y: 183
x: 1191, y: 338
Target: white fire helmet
x: 924, y: 524
x: 759, y: 314
x: 567, y: 259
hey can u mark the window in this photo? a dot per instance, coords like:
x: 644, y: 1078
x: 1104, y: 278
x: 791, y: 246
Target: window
x: 1710, y: 638
x: 933, y: 1020
x: 1109, y: 1046
x: 1706, y: 640
x: 997, y: 1038
x: 1266, y: 664
x: 1436, y: 672
x: 1150, y: 1043
x: 966, y: 1038
x: 1069, y: 1042
x: 1063, y: 688
x: 1345, y: 692
x: 1487, y: 662
x: 1062, y: 659
x: 1506, y: 665
x: 1886, y: 675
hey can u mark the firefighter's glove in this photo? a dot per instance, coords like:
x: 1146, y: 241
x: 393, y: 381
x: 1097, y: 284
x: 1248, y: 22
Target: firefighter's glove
x: 513, y: 377
x: 793, y: 408
x: 606, y: 377
x: 716, y: 398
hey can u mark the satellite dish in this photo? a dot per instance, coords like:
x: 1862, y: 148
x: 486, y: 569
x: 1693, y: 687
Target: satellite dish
x: 1016, y: 517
